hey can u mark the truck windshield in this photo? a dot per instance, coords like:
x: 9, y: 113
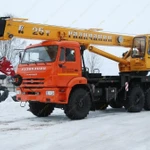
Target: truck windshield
x: 40, y: 54
x: 139, y: 45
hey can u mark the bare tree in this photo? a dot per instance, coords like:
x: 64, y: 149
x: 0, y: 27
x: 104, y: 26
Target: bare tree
x: 92, y: 61
x: 8, y: 48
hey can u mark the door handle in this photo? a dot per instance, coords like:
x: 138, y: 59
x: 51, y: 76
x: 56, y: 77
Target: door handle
x: 61, y: 66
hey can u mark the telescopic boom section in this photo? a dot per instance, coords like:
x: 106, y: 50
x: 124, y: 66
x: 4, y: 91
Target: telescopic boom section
x: 13, y: 27
x: 107, y: 55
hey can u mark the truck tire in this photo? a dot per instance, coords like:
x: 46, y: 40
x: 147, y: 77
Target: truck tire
x: 41, y: 109
x: 79, y: 104
x: 118, y: 103
x: 135, y: 100
x: 147, y: 101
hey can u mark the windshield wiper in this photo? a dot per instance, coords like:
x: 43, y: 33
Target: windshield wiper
x: 43, y: 60
x: 33, y: 61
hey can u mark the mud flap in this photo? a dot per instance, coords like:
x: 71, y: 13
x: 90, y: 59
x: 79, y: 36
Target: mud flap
x: 5, y: 93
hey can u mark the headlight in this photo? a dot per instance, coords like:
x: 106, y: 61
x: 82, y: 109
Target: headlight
x: 50, y: 93
x: 18, y: 92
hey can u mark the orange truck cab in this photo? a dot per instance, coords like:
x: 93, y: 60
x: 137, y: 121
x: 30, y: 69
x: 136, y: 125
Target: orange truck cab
x: 50, y: 70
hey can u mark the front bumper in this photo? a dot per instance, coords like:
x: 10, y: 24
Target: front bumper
x: 51, y: 95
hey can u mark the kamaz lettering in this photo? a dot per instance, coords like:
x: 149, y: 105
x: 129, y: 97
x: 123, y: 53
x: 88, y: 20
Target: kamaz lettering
x: 34, y: 69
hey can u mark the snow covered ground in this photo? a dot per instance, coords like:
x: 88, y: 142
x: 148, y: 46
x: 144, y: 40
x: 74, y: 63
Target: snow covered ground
x: 112, y: 129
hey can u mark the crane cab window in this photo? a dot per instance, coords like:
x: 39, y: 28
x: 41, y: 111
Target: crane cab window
x: 67, y: 54
x: 139, y: 45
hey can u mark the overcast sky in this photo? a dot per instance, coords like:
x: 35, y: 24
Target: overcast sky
x: 118, y: 16
x: 128, y: 16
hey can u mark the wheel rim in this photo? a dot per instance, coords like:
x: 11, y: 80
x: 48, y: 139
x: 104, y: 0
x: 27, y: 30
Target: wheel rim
x: 80, y: 102
x: 137, y: 99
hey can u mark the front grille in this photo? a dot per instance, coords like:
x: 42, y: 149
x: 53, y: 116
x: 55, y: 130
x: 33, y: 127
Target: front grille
x: 33, y: 81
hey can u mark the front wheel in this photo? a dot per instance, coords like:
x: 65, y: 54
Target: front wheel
x: 79, y: 104
x: 41, y: 109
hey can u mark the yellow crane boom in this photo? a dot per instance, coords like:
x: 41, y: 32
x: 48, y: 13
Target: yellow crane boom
x: 15, y: 27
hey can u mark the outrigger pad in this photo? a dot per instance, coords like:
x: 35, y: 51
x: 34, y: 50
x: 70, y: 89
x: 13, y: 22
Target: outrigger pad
x: 4, y: 95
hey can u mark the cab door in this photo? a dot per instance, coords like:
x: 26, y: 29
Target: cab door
x: 69, y: 66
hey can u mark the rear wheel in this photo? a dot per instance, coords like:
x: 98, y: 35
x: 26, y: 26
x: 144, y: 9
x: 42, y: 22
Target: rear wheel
x: 118, y: 102
x: 41, y: 109
x: 147, y: 100
x: 135, y: 100
x: 79, y: 104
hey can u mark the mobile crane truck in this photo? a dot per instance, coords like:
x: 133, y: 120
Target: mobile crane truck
x: 53, y: 73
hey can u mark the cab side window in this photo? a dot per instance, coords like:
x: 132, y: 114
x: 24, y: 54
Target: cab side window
x: 70, y: 54
x: 67, y: 54
x: 139, y: 47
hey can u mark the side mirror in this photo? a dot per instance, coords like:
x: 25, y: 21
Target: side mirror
x: 20, y: 56
x: 60, y: 65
